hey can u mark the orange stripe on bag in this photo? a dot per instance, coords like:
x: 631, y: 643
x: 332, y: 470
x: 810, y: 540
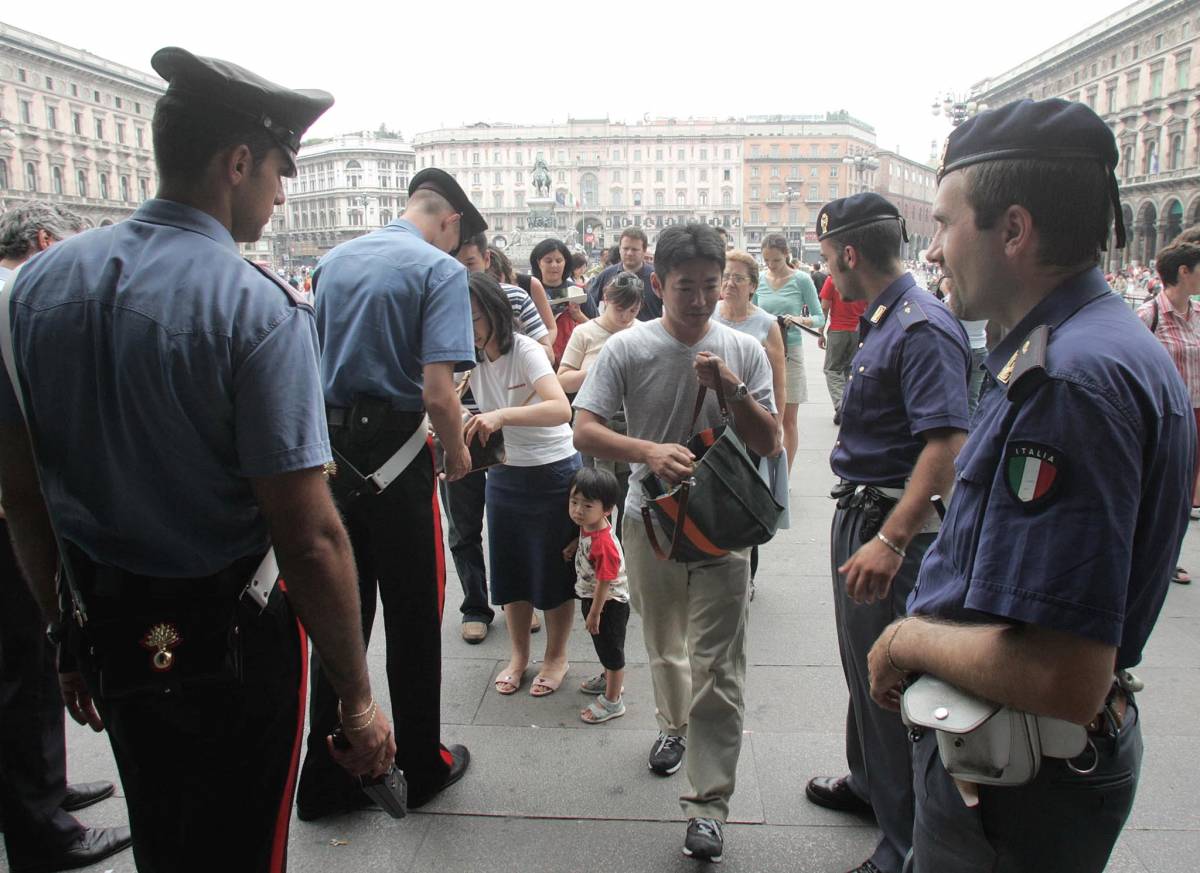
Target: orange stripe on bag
x: 695, y: 537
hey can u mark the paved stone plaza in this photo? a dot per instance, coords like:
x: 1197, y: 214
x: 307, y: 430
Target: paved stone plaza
x: 548, y: 793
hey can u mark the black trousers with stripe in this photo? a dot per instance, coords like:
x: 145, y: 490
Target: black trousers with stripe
x: 209, y: 774
x: 397, y: 542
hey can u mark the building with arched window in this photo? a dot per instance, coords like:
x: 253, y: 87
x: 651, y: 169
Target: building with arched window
x: 1138, y: 69
x: 344, y: 187
x: 73, y: 120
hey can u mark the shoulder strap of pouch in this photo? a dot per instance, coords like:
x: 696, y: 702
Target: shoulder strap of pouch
x: 696, y: 410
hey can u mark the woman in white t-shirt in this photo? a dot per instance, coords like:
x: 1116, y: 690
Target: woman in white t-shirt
x: 622, y: 303
x: 527, y: 496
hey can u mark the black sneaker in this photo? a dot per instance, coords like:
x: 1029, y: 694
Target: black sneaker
x: 666, y: 755
x: 704, y: 841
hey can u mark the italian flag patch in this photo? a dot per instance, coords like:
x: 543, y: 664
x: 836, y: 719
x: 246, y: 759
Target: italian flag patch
x: 1032, y: 471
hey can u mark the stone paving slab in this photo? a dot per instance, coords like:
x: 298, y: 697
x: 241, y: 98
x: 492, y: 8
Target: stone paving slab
x: 548, y: 793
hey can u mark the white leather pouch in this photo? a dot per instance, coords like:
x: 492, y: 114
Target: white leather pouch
x: 984, y: 742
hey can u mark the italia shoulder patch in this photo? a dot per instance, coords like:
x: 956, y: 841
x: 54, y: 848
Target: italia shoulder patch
x: 1033, y: 472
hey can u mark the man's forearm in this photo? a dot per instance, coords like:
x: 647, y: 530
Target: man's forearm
x: 322, y: 588
x: 1027, y: 668
x: 445, y: 412
x: 757, y: 427
x: 36, y: 551
x: 932, y: 474
x: 596, y: 439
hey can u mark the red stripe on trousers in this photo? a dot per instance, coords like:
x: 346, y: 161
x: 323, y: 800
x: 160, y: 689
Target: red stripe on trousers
x: 283, y: 819
x: 438, y: 551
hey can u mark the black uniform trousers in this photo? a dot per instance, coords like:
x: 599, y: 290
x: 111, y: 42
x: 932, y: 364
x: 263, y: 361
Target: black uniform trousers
x: 877, y: 746
x: 208, y: 773
x: 33, y: 759
x: 397, y: 541
x: 1062, y: 821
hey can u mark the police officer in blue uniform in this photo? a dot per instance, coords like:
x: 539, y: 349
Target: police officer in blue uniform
x: 904, y: 417
x: 175, y: 422
x: 1071, y: 498
x: 394, y: 316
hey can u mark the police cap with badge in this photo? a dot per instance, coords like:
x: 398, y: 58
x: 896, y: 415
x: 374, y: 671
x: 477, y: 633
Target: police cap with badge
x: 1037, y: 129
x: 221, y: 86
x: 441, y: 182
x: 855, y: 211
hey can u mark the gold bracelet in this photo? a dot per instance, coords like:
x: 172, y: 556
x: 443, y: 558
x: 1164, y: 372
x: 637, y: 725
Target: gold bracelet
x: 892, y: 639
x: 365, y: 712
x: 891, y: 545
x: 367, y: 723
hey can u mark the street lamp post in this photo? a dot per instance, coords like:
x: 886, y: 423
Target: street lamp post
x: 789, y: 195
x: 957, y: 107
x: 862, y: 164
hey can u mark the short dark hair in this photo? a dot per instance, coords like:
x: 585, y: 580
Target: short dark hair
x: 624, y: 290
x: 1174, y: 256
x: 578, y: 260
x: 633, y: 232
x: 544, y: 248
x: 877, y: 244
x: 500, y: 266
x: 687, y: 242
x: 595, y: 483
x: 612, y: 256
x: 187, y: 135
x: 479, y: 240
x: 490, y: 297
x: 1069, y: 201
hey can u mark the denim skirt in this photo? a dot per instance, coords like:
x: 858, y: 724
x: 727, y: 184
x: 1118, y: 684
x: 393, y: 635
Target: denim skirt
x: 528, y: 528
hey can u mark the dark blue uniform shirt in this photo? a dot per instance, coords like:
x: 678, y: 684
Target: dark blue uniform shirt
x: 909, y: 376
x: 162, y: 371
x: 1073, y: 487
x: 389, y: 303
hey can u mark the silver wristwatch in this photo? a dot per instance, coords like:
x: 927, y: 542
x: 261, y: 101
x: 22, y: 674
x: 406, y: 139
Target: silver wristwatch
x: 741, y: 392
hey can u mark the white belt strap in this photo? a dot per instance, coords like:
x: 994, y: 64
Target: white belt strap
x: 262, y: 583
x: 398, y: 463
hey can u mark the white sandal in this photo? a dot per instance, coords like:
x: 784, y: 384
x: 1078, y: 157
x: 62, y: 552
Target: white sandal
x: 601, y: 710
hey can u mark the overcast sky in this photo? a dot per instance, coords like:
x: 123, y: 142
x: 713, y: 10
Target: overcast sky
x: 422, y: 65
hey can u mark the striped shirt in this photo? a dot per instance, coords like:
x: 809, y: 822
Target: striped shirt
x: 1180, y: 336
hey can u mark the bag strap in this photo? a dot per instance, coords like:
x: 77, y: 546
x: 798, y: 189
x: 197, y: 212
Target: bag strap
x: 1154, y: 323
x: 685, y: 490
x: 696, y: 410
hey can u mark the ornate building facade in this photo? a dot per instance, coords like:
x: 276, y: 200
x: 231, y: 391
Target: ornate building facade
x: 74, y: 128
x: 1137, y: 68
x: 606, y: 175
x: 910, y: 185
x: 795, y: 164
x: 344, y: 187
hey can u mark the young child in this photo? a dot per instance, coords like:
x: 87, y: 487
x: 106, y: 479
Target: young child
x: 602, y: 587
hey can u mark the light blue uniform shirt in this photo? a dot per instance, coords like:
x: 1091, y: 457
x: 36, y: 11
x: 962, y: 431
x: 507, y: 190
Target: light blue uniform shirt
x: 161, y: 371
x: 389, y: 303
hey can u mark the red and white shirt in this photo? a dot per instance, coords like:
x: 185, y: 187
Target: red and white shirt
x: 600, y: 558
x: 1180, y: 336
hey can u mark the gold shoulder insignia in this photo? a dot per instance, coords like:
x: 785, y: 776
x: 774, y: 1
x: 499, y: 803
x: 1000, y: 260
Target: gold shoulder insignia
x: 878, y: 314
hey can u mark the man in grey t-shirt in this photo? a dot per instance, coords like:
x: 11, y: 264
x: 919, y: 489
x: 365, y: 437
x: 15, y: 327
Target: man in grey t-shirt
x: 653, y: 371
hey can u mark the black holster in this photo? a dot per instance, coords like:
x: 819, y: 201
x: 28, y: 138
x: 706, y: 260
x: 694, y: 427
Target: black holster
x: 872, y: 503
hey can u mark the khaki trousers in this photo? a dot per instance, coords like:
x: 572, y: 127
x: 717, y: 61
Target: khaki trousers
x: 694, y: 620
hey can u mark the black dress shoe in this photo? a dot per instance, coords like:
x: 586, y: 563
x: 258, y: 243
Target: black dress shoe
x: 834, y: 793
x: 461, y: 760
x: 85, y: 794
x: 865, y: 867
x: 95, y: 844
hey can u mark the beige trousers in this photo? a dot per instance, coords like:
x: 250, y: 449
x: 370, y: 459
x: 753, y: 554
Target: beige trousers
x: 694, y: 619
